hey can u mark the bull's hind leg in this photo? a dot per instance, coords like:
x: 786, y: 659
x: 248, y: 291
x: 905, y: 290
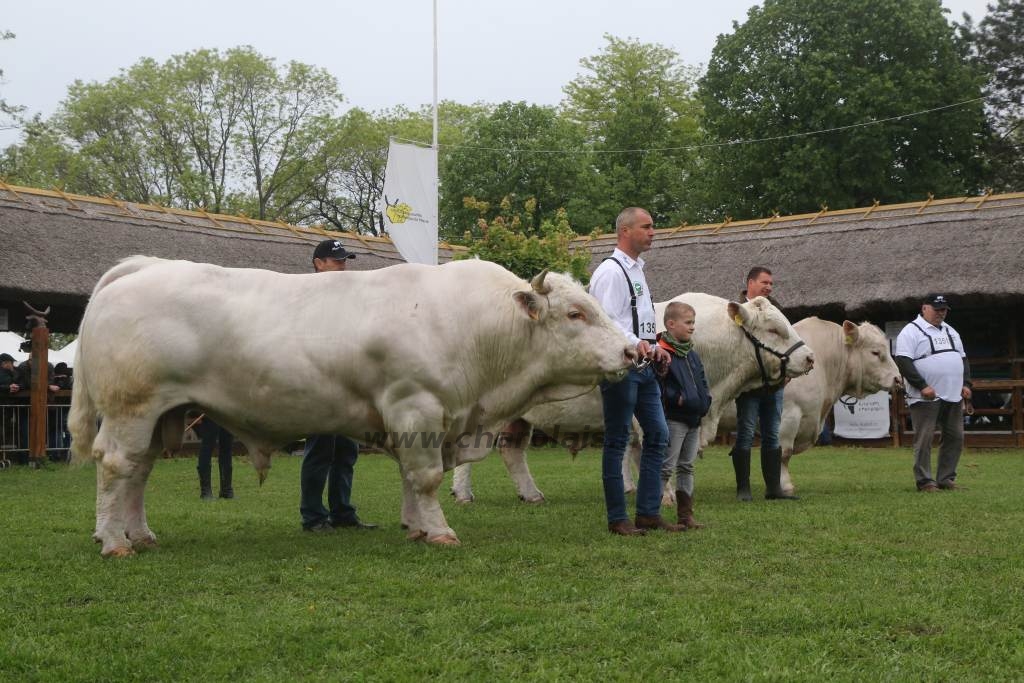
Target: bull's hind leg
x: 512, y: 444
x: 138, y: 531
x: 123, y: 461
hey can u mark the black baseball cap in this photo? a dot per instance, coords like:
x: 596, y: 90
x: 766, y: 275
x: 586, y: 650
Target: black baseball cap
x: 332, y: 249
x: 937, y: 301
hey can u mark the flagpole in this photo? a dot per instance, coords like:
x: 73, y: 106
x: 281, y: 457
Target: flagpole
x: 436, y: 155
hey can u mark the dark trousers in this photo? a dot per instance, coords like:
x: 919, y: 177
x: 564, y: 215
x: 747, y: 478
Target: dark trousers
x: 328, y: 460
x: 213, y: 435
x: 949, y: 417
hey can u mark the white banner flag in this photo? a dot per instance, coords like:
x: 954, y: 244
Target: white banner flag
x: 865, y: 418
x: 410, y: 198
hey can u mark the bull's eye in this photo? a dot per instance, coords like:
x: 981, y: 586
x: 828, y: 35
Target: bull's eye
x: 877, y: 353
x: 577, y: 315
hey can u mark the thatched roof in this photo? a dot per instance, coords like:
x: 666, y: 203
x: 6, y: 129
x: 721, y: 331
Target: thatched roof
x: 54, y: 246
x: 853, y: 262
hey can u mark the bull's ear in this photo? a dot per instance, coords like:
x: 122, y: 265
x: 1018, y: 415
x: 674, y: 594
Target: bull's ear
x: 738, y: 314
x: 530, y: 304
x: 850, y: 333
x: 538, y: 283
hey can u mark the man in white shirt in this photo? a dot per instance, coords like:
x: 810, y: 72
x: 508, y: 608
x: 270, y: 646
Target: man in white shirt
x: 931, y: 358
x: 620, y: 287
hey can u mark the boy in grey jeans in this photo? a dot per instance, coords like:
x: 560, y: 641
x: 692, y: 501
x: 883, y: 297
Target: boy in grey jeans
x: 685, y: 393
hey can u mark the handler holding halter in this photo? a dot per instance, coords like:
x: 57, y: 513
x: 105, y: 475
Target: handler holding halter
x: 620, y: 287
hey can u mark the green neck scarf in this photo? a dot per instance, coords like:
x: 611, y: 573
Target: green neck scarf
x: 680, y: 347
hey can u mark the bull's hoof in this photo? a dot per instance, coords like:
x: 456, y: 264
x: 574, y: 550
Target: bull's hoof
x: 537, y: 499
x: 462, y: 499
x: 789, y: 490
x: 668, y: 500
x: 119, y: 551
x: 416, y: 535
x: 630, y: 489
x: 443, y: 539
x: 145, y: 542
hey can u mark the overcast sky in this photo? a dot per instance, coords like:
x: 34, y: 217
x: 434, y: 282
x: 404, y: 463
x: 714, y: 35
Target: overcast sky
x: 379, y: 50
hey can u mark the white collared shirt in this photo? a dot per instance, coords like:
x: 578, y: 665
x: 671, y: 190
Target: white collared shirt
x: 942, y: 369
x: 608, y: 285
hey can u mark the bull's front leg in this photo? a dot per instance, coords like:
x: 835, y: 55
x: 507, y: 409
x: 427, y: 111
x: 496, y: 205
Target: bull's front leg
x: 462, y: 483
x: 422, y: 474
x: 785, y: 480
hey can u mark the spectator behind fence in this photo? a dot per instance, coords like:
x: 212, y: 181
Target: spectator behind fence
x: 62, y: 376
x: 8, y: 375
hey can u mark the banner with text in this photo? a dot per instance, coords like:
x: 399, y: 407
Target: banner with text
x: 410, y: 201
x: 865, y: 418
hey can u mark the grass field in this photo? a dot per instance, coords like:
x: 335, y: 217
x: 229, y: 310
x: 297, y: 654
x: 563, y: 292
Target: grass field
x: 864, y: 579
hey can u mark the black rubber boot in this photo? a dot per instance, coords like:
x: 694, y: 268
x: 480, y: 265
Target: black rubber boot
x: 205, y: 487
x: 741, y: 465
x: 771, y: 470
x: 226, y: 491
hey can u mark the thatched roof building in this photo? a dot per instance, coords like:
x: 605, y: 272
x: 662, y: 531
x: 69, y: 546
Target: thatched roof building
x: 874, y: 262
x: 55, y: 246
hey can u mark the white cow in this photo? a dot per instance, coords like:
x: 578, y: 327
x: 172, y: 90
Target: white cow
x: 730, y: 361
x: 849, y: 359
x: 427, y: 356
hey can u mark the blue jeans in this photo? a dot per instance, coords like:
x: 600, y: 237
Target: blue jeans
x: 327, y: 460
x: 756, y: 407
x: 638, y: 394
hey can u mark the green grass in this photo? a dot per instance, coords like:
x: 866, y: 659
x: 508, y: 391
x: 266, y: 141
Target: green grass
x: 862, y: 580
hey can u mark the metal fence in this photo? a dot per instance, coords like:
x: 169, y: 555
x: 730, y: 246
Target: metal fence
x: 14, y: 420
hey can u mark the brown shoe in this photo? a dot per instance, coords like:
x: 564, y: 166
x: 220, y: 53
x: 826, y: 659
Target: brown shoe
x: 684, y: 508
x: 951, y: 486
x: 656, y: 522
x: 624, y: 527
x: 928, y: 488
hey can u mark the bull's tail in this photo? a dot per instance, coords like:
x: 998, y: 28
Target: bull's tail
x: 83, y: 417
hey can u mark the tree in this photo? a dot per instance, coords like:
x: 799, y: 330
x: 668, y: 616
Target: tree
x: 796, y: 67
x: 996, y: 46
x: 9, y: 113
x: 507, y: 241
x: 281, y: 117
x: 510, y: 152
x: 636, y: 101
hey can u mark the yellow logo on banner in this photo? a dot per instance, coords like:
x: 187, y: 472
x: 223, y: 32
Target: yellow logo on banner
x: 397, y: 213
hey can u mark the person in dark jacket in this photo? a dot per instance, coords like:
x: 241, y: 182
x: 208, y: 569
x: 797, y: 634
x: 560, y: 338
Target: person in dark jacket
x: 685, y: 393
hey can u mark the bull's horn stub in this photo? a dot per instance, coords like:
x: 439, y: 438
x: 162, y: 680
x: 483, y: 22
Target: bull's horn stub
x: 538, y: 283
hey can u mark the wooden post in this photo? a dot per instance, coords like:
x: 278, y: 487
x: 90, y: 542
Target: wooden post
x: 40, y: 393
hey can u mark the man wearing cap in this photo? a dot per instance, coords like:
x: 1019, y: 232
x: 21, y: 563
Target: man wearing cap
x: 328, y: 459
x: 931, y: 358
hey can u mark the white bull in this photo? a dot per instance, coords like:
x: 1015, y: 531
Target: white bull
x: 418, y: 359
x: 849, y: 359
x: 730, y: 362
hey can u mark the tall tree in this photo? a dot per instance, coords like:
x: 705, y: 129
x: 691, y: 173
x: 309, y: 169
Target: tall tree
x: 997, y: 47
x: 518, y: 150
x: 636, y: 100
x: 796, y: 67
x: 281, y: 116
x: 9, y: 113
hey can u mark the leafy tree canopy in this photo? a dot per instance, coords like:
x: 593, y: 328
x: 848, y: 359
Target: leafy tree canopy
x: 508, y: 240
x: 794, y: 67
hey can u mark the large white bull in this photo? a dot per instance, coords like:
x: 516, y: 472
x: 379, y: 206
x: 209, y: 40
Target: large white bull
x: 419, y: 359
x: 849, y: 359
x: 730, y: 359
